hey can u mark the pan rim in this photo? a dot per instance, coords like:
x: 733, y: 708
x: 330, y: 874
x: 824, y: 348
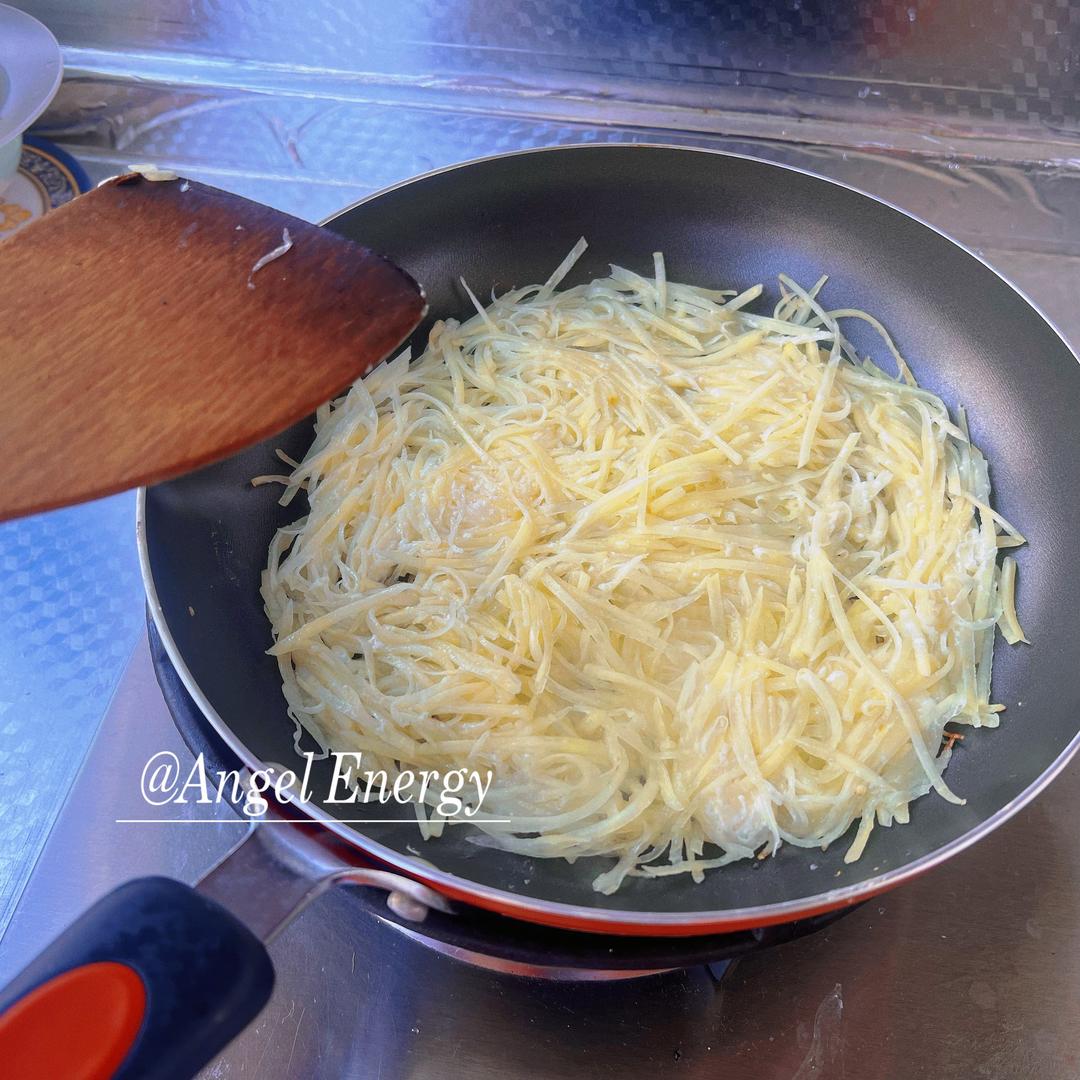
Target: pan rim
x: 611, y: 920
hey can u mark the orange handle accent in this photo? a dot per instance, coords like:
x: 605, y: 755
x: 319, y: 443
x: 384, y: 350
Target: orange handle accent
x: 79, y: 1025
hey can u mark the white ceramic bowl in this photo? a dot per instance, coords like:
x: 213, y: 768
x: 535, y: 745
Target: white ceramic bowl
x: 30, y: 71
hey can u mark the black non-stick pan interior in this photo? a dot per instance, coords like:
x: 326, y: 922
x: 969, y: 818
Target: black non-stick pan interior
x: 722, y: 222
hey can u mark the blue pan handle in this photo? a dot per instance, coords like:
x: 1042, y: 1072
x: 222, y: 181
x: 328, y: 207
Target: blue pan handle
x: 150, y: 983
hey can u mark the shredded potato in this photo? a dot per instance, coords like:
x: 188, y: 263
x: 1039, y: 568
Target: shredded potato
x: 692, y: 582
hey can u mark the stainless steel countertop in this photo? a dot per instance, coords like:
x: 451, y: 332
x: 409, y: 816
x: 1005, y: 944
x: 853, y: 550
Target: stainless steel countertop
x: 962, y: 112
x: 973, y: 971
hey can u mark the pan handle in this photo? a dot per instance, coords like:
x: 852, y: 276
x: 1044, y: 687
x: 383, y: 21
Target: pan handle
x: 155, y: 979
x: 151, y: 982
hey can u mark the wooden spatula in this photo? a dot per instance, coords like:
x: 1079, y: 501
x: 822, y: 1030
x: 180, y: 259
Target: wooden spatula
x: 146, y: 333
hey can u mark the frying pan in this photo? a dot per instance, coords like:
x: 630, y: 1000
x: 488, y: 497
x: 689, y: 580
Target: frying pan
x: 721, y: 221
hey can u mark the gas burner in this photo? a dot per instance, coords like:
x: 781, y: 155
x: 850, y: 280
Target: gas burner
x: 555, y: 972
x: 466, y: 933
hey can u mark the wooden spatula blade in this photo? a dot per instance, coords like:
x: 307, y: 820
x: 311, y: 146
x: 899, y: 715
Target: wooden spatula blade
x: 140, y: 342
